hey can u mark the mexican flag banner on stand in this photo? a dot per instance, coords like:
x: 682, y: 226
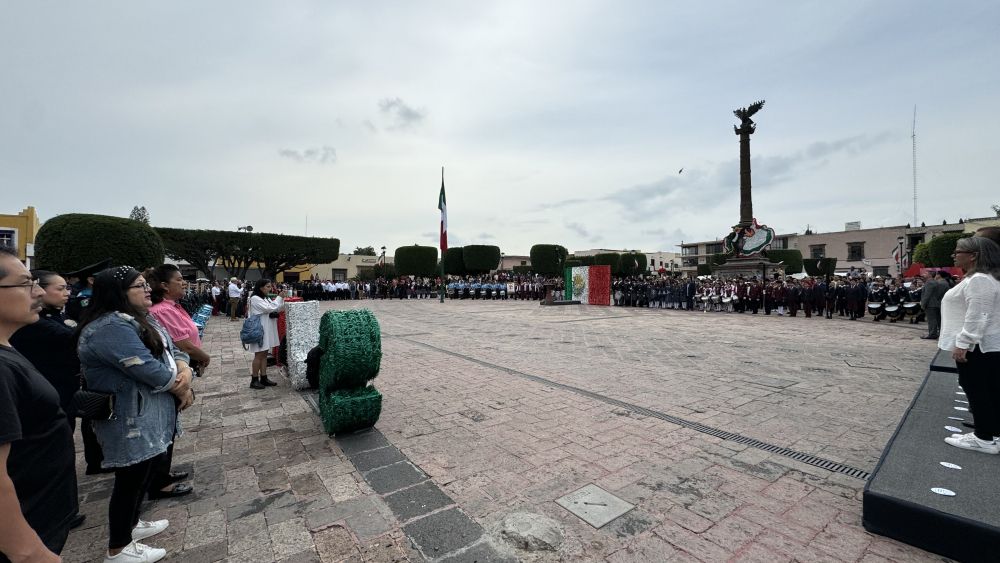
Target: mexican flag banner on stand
x: 590, y: 285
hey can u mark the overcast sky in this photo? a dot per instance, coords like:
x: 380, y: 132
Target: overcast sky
x: 557, y: 122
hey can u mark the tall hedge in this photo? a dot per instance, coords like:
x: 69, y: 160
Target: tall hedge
x: 66, y: 243
x: 585, y: 260
x: 572, y: 263
x: 522, y: 270
x: 633, y: 264
x: 922, y: 254
x: 547, y: 259
x: 792, y: 259
x: 704, y: 269
x: 481, y: 258
x: 416, y: 260
x: 608, y: 259
x: 823, y: 267
x: 941, y: 247
x: 454, y: 264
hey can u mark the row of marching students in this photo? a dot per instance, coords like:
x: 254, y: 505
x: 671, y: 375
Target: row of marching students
x: 845, y: 297
x: 527, y: 289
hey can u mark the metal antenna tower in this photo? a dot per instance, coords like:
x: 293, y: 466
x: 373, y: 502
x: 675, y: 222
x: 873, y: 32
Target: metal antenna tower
x: 913, y: 136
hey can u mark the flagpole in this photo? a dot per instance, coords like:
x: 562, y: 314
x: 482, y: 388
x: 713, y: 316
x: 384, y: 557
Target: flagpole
x: 442, y: 285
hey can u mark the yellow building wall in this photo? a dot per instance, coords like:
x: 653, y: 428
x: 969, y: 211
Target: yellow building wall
x: 26, y: 224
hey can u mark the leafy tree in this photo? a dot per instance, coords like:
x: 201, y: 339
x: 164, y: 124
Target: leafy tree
x: 822, y: 267
x: 792, y: 259
x: 547, y: 259
x: 238, y: 251
x: 480, y: 258
x: 277, y: 253
x: 941, y: 247
x: 922, y: 254
x: 996, y: 209
x: 454, y: 263
x: 704, y: 269
x: 139, y: 214
x: 66, y: 243
x: 416, y: 260
x: 364, y: 251
x: 190, y: 246
x: 607, y: 259
x: 632, y: 264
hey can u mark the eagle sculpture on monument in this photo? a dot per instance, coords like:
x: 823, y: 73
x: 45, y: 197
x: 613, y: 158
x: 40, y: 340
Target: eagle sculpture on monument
x: 744, y: 114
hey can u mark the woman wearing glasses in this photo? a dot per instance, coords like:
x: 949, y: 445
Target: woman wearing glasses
x: 970, y: 330
x: 48, y: 343
x: 125, y: 352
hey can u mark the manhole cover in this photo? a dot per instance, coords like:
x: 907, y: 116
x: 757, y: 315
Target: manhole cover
x: 594, y: 505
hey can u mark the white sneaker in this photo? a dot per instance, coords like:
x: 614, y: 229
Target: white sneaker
x: 146, y: 529
x: 970, y: 442
x: 137, y: 553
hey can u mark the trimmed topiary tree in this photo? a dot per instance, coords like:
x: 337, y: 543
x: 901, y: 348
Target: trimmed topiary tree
x: 791, y: 258
x: 585, y: 260
x: 480, y: 258
x: 922, y: 254
x: 572, y: 263
x: 632, y: 264
x: 608, y: 259
x: 454, y: 264
x: 416, y: 260
x: 704, y: 269
x: 941, y: 247
x: 521, y: 270
x: 548, y: 259
x: 820, y: 267
x: 66, y: 243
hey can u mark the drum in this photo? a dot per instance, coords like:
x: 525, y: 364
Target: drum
x: 503, y: 293
x: 619, y: 295
x: 727, y: 300
x: 494, y: 294
x: 736, y: 298
x: 911, y: 308
x: 874, y: 308
x: 894, y: 312
x: 716, y: 299
x: 704, y: 298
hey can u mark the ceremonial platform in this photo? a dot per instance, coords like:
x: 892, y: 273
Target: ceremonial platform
x: 931, y: 495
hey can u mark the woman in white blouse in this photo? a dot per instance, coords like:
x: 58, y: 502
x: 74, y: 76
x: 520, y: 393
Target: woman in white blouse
x: 970, y: 329
x: 261, y: 304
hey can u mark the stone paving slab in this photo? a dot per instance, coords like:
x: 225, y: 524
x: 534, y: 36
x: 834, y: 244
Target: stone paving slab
x: 271, y: 486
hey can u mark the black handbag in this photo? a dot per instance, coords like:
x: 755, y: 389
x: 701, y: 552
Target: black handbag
x: 273, y: 315
x: 91, y: 404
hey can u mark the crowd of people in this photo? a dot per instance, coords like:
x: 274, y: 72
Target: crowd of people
x: 892, y: 300
x: 124, y: 361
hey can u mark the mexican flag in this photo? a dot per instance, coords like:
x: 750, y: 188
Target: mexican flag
x: 443, y: 206
x: 590, y: 285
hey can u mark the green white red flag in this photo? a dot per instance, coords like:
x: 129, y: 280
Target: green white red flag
x: 442, y: 205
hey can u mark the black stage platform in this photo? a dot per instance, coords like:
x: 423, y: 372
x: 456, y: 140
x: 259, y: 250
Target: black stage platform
x: 899, y: 498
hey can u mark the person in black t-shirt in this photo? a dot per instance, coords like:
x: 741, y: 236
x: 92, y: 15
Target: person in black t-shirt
x: 37, y: 477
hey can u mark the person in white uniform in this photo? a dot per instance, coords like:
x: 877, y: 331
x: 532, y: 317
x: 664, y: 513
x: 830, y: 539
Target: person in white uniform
x: 262, y: 305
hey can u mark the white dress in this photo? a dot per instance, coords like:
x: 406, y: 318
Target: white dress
x: 262, y: 306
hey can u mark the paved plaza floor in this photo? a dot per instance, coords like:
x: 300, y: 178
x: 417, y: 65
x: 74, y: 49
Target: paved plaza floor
x: 736, y: 437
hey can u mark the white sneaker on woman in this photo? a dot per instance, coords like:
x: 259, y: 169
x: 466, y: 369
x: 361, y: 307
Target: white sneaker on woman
x: 146, y: 529
x: 136, y: 552
x: 970, y: 442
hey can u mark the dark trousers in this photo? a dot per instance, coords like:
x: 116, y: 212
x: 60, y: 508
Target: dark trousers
x: 978, y: 378
x: 159, y: 473
x: 126, y: 499
x: 933, y: 321
x: 91, y: 447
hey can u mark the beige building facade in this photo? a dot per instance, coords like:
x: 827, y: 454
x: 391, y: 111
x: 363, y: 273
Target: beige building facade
x: 18, y: 231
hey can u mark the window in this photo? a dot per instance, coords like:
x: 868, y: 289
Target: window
x: 689, y: 262
x: 713, y: 248
x: 652, y: 261
x: 780, y: 243
x: 524, y: 262
x: 880, y: 271
x: 689, y: 250
x: 817, y: 251
x: 8, y: 237
x: 855, y: 251
x: 339, y: 275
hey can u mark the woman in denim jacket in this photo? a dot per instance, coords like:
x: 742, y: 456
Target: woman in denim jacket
x: 125, y: 352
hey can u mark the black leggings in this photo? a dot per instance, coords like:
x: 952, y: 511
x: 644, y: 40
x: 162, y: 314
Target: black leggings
x: 126, y: 499
x: 979, y: 379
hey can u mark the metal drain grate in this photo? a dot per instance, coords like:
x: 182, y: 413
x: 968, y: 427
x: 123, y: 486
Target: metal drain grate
x: 801, y: 457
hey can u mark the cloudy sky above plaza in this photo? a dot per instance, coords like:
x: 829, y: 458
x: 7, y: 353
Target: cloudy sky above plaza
x: 557, y: 122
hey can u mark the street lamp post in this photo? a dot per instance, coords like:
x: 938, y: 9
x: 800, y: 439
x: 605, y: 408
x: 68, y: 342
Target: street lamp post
x: 900, y: 240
